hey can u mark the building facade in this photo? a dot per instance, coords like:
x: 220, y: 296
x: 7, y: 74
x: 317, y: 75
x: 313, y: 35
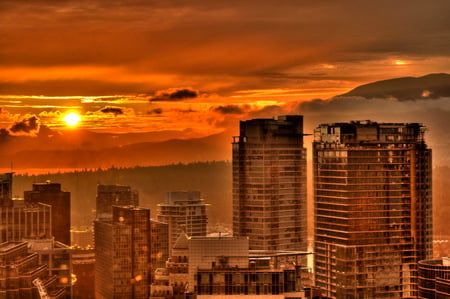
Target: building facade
x: 122, y: 254
x: 223, y: 267
x: 83, y: 267
x: 269, y: 183
x: 160, y: 243
x: 184, y: 212
x: 114, y: 195
x: 372, y: 192
x: 434, y: 278
x: 25, y: 221
x: 6, y: 189
x: 51, y: 194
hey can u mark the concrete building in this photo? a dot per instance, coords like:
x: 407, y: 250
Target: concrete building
x: 19, y: 271
x: 372, y: 192
x: 216, y: 267
x: 122, y: 253
x: 114, y: 195
x: 434, y: 278
x: 51, y: 194
x: 184, y: 212
x: 269, y: 183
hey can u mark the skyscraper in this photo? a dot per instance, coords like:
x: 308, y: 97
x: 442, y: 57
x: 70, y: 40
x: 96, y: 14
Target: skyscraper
x: 51, y: 194
x: 6, y: 189
x: 122, y: 254
x: 269, y: 183
x: 185, y: 212
x: 114, y: 195
x: 372, y: 189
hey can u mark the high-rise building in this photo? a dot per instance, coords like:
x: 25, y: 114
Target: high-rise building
x: 51, y: 194
x: 114, y: 195
x: 372, y: 190
x: 6, y: 189
x: 185, y: 212
x: 122, y: 254
x: 269, y: 183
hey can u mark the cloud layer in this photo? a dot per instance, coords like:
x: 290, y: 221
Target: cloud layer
x: 129, y: 47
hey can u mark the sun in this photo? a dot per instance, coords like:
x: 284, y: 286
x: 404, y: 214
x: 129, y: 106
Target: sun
x: 72, y: 119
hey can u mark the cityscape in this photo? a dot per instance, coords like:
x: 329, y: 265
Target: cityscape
x: 224, y: 149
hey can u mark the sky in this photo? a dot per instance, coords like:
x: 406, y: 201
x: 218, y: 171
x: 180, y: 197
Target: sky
x: 197, y: 67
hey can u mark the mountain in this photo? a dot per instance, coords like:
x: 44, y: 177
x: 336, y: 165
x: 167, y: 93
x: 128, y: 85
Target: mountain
x: 431, y: 86
x: 213, y: 147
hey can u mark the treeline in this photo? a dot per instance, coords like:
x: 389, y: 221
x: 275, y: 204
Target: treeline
x: 212, y: 179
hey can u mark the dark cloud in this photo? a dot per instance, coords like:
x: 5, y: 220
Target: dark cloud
x: 175, y: 94
x: 114, y: 110
x: 155, y: 111
x: 229, y: 109
x: 189, y: 110
x: 27, y: 126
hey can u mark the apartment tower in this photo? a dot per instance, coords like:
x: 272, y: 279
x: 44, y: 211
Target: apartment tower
x: 372, y: 191
x: 184, y: 212
x: 122, y: 254
x: 269, y: 183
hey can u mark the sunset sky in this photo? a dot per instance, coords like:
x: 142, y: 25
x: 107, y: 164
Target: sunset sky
x: 200, y: 66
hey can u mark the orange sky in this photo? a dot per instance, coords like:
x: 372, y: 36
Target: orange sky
x: 107, y: 60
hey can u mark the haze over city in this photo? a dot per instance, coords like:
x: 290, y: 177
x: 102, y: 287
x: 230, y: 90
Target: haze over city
x: 143, y: 100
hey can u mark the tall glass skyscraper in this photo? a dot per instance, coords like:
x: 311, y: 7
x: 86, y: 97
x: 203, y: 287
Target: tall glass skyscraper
x: 269, y: 183
x: 372, y: 190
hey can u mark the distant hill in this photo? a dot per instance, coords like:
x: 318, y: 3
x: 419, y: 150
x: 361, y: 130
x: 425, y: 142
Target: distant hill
x: 431, y: 86
x: 213, y: 147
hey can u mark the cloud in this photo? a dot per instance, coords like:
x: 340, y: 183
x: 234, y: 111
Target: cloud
x: 156, y: 111
x: 229, y: 109
x: 28, y: 126
x: 175, y: 94
x: 114, y: 110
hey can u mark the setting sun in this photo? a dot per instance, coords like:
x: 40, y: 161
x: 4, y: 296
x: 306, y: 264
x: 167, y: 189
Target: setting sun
x: 72, y: 119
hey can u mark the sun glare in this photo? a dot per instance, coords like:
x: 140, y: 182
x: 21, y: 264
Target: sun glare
x: 72, y: 119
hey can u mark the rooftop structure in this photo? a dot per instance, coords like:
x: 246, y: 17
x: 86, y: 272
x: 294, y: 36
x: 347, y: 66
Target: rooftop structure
x: 114, y: 195
x: 434, y: 278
